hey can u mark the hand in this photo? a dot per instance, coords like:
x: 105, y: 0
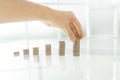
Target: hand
x: 67, y: 21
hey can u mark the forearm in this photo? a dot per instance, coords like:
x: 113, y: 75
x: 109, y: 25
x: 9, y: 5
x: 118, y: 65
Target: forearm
x: 11, y: 11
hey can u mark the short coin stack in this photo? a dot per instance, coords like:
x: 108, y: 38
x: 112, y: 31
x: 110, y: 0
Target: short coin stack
x: 36, y: 54
x: 48, y: 49
x: 26, y: 54
x: 16, y: 54
x: 76, y: 47
x: 61, y: 48
x: 35, y: 51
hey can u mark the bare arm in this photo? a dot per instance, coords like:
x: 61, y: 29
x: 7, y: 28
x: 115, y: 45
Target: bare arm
x: 15, y: 10
x: 21, y: 10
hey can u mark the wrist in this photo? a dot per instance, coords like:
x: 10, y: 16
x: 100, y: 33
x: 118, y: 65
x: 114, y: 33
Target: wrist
x: 47, y: 15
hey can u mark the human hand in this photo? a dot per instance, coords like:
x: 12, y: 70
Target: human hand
x: 67, y: 21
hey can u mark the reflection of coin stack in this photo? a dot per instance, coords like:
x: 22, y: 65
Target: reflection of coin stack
x: 48, y: 49
x: 16, y: 54
x: 35, y: 51
x: 61, y: 48
x: 76, y: 48
x: 26, y: 53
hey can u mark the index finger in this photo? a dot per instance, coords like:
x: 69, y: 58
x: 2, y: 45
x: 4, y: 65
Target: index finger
x: 77, y: 25
x: 74, y: 30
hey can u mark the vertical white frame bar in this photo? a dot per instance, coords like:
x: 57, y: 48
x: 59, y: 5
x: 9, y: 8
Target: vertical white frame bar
x: 27, y: 34
x: 115, y: 19
x: 27, y: 46
x: 115, y: 23
x: 88, y: 59
x: 87, y: 18
x: 88, y: 36
x: 115, y: 41
x: 114, y: 60
x: 58, y: 32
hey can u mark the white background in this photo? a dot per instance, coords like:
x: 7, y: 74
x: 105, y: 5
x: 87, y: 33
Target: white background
x: 100, y: 48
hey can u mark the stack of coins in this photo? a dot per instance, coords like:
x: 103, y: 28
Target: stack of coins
x: 36, y: 54
x: 26, y: 53
x: 16, y: 53
x: 48, y: 49
x: 61, y: 48
x: 35, y: 51
x: 76, y: 47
